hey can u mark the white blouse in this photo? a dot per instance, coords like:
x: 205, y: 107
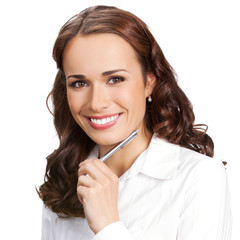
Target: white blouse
x: 169, y: 193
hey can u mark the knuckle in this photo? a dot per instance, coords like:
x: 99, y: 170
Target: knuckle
x: 80, y: 190
x: 95, y: 160
x: 87, y: 166
x: 91, y: 192
x: 80, y: 178
x: 114, y: 178
x: 85, y: 162
x: 99, y: 186
x: 107, y: 182
x: 79, y: 172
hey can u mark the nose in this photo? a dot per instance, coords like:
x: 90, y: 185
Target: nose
x: 99, y: 99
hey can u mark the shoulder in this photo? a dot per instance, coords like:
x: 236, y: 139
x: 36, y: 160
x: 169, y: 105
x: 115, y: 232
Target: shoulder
x: 199, y: 163
x: 166, y: 160
x: 205, y: 203
x: 201, y: 173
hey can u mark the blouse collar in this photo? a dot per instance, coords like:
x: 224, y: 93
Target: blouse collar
x: 159, y: 160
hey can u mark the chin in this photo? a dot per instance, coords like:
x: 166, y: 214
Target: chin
x: 108, y: 139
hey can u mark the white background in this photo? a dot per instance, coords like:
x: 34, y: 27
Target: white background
x: 201, y: 41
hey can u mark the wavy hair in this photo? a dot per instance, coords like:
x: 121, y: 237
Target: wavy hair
x: 170, y: 114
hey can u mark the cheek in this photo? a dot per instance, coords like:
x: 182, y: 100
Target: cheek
x: 132, y: 98
x: 74, y: 103
x: 137, y: 92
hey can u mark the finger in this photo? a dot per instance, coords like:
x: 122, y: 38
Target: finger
x: 104, y: 168
x: 81, y: 192
x: 90, y: 167
x: 85, y: 181
x: 86, y: 161
x: 108, y: 173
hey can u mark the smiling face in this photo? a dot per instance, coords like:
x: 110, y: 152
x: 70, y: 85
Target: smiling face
x: 106, y: 90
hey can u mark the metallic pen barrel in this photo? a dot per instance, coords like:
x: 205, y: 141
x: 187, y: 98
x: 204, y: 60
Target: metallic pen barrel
x: 119, y: 146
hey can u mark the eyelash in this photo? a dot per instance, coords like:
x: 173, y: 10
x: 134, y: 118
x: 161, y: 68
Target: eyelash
x: 118, y: 78
x: 115, y: 80
x: 73, y: 84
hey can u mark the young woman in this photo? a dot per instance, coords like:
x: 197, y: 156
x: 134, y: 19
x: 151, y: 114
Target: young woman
x: 112, y: 80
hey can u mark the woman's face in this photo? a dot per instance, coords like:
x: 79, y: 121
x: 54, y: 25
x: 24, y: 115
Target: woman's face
x: 106, y: 91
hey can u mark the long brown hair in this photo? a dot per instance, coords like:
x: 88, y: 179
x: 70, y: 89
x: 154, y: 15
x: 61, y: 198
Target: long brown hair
x: 170, y: 114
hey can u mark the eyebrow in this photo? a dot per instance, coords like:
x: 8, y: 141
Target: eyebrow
x: 107, y: 73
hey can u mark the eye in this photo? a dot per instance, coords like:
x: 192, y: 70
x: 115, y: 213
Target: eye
x: 78, y: 84
x: 115, y: 80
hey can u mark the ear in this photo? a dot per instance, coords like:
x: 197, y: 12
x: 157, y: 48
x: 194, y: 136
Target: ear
x: 150, y: 83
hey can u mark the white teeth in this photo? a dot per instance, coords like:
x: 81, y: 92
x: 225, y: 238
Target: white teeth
x: 104, y: 120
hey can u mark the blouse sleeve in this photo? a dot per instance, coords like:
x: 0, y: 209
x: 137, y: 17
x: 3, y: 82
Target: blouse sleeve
x: 116, y: 231
x: 206, y: 212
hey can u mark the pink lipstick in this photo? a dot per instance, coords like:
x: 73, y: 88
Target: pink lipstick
x: 103, y: 122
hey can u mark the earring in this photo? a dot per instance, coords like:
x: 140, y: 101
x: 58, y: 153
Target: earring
x: 150, y: 99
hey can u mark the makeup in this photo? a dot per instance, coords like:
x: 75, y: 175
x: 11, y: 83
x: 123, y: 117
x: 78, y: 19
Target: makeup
x: 120, y: 146
x: 103, y: 122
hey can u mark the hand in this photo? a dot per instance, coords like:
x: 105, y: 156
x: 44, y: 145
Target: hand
x: 98, y: 193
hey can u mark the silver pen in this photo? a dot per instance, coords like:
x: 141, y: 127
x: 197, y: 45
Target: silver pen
x: 119, y: 146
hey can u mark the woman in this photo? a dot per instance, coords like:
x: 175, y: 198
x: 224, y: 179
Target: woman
x: 113, y: 79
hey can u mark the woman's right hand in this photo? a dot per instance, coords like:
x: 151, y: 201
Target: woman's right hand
x: 97, y: 190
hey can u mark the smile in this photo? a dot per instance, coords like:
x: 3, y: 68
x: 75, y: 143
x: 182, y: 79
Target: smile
x: 103, y: 122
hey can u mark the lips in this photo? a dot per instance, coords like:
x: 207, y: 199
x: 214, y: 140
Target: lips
x: 103, y: 122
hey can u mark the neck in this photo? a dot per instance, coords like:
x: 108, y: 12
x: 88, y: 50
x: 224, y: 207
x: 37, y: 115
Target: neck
x: 123, y: 159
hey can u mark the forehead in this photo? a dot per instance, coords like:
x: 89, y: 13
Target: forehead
x: 99, y: 52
